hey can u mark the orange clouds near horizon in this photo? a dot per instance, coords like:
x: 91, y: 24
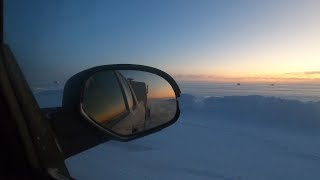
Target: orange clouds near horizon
x: 293, y: 77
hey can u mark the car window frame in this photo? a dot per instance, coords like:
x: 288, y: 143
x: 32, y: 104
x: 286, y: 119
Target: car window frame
x: 125, y: 81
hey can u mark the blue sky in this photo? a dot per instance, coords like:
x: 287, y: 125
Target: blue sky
x: 54, y: 39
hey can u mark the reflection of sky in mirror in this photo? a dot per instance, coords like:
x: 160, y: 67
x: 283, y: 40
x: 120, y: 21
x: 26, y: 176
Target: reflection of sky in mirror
x: 102, y: 99
x: 157, y: 86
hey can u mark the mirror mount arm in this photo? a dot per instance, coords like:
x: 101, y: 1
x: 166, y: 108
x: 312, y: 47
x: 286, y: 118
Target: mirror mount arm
x: 73, y: 133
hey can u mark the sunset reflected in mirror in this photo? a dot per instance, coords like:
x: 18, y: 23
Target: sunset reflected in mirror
x: 128, y: 101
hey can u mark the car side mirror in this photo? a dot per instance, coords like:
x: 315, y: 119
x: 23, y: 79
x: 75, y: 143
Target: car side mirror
x: 123, y: 101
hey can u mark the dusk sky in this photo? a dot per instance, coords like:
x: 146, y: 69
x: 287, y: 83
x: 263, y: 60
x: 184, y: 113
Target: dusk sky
x: 191, y: 40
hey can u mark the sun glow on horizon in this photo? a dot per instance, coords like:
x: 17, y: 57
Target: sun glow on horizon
x: 295, y: 65
x: 292, y: 77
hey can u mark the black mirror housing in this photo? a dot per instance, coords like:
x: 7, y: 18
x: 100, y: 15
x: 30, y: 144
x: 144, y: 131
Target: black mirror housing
x: 73, y: 97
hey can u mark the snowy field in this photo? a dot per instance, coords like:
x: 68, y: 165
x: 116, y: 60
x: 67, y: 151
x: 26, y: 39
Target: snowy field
x: 218, y: 136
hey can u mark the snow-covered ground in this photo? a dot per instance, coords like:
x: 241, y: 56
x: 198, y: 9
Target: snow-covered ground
x: 228, y: 138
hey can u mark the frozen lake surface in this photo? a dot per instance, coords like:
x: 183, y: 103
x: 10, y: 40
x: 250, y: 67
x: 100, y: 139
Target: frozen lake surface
x: 230, y: 138
x: 302, y: 92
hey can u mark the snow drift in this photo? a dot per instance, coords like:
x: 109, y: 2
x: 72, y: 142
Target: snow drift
x: 266, y: 111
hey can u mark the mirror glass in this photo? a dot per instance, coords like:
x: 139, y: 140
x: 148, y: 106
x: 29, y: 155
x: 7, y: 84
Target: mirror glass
x: 128, y: 101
